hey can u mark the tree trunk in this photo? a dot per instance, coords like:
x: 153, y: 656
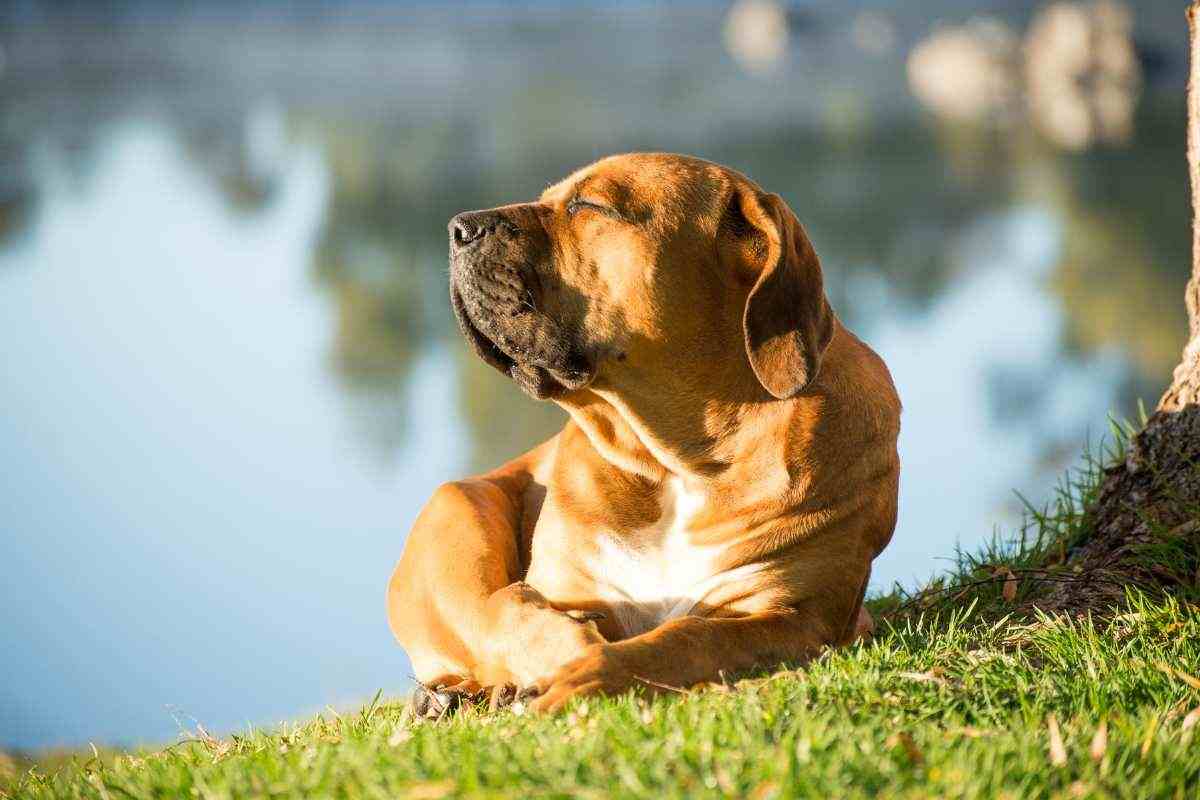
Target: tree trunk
x: 1153, y: 497
x: 1185, y: 388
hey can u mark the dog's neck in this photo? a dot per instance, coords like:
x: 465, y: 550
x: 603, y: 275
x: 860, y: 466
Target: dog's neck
x: 713, y: 444
x: 717, y: 433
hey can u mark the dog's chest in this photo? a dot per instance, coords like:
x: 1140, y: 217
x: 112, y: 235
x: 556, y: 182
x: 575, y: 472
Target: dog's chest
x: 656, y: 573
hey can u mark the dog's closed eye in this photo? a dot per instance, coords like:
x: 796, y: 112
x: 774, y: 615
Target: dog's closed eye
x: 577, y: 204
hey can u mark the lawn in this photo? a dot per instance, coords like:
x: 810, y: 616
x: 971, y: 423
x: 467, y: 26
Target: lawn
x: 967, y: 690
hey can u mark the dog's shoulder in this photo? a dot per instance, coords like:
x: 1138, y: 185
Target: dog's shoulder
x: 856, y: 382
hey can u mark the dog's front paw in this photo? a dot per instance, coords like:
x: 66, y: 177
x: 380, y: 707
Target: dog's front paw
x: 600, y: 670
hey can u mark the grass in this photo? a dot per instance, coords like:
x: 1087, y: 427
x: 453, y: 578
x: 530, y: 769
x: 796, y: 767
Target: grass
x: 965, y: 692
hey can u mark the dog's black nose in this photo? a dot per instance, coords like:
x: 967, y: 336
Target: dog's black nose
x: 471, y: 226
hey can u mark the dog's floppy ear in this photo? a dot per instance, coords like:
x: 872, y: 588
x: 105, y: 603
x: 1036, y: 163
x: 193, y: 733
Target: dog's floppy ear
x: 787, y: 321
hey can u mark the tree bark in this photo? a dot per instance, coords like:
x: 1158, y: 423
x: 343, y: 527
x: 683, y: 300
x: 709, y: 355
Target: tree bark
x: 1152, y: 498
x: 1185, y: 388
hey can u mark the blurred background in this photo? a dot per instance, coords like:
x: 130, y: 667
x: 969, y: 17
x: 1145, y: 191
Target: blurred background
x: 229, y: 377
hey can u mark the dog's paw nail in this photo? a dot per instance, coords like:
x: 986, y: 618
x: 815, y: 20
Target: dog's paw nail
x: 421, y: 699
x: 527, y: 693
x: 434, y: 703
x: 502, y: 696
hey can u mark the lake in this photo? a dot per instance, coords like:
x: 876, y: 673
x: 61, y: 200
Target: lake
x: 230, y: 377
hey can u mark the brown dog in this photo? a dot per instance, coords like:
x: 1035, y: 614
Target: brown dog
x: 729, y: 470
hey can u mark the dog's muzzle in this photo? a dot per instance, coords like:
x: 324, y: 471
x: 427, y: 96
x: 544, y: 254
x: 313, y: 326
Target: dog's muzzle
x: 495, y: 292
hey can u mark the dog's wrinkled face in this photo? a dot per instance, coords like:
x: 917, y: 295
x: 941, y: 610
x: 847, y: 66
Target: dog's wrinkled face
x: 638, y: 272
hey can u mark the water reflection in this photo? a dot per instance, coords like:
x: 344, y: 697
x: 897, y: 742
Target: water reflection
x: 986, y: 389
x: 230, y: 376
x: 188, y: 521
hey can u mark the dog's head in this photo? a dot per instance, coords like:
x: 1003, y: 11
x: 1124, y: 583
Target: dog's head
x: 638, y: 267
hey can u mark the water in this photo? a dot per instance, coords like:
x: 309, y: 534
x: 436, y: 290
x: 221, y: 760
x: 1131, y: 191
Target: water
x: 229, y: 376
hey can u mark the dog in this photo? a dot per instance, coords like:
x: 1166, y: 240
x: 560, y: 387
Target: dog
x: 727, y: 475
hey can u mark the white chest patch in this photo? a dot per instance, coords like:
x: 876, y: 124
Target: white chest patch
x: 658, y: 574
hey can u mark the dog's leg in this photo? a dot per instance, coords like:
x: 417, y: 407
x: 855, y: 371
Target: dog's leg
x: 683, y: 652
x: 697, y: 649
x: 456, y: 601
